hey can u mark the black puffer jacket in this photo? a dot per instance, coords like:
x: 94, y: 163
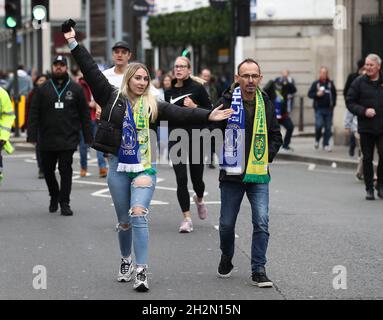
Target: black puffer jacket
x: 364, y: 94
x: 106, y: 96
x: 59, y: 129
x: 274, y: 133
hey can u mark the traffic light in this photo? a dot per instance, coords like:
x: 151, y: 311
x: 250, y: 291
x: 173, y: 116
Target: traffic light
x: 40, y: 10
x: 13, y: 14
x: 243, y: 18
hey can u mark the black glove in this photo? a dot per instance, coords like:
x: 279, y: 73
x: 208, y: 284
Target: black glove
x: 67, y: 24
x: 2, y: 143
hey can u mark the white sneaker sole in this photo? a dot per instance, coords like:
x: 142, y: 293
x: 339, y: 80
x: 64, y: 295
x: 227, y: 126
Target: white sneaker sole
x: 124, y: 278
x: 228, y: 275
x: 263, y: 284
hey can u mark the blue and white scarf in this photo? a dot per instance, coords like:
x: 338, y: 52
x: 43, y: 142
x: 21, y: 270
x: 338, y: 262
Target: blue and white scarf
x: 129, y: 159
x: 233, y: 147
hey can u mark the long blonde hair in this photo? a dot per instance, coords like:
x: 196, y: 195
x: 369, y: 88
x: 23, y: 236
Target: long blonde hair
x: 149, y: 100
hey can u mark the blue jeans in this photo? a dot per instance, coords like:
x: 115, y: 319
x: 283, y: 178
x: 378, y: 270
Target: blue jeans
x: 127, y: 196
x: 84, y: 149
x: 231, y: 197
x: 323, y: 119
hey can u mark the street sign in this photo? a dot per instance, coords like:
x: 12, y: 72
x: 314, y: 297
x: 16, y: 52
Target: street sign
x: 140, y: 8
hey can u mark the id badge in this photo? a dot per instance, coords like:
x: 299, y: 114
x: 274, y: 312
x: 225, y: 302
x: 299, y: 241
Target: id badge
x: 59, y: 105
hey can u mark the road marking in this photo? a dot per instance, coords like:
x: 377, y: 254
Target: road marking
x: 104, y: 193
x: 13, y: 156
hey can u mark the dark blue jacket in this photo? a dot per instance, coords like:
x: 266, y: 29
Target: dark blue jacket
x: 328, y: 100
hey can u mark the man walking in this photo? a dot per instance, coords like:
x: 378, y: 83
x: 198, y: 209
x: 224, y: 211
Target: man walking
x: 252, y: 139
x: 58, y: 110
x: 323, y: 92
x: 120, y: 56
x: 365, y: 99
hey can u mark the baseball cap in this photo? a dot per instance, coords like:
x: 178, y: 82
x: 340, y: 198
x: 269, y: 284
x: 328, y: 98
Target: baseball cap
x: 121, y: 44
x: 61, y: 59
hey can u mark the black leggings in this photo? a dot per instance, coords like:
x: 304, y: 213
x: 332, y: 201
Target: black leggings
x: 196, y: 174
x: 368, y: 142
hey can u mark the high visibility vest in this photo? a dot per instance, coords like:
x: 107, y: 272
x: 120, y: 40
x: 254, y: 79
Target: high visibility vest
x: 7, y: 117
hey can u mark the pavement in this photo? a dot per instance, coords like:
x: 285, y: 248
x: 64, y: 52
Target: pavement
x: 302, y: 144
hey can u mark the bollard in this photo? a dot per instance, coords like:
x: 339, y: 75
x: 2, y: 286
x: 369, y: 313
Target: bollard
x: 301, y: 125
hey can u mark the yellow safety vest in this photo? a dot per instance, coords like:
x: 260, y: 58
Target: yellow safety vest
x: 7, y: 117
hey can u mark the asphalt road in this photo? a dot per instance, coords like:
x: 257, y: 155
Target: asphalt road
x: 325, y: 240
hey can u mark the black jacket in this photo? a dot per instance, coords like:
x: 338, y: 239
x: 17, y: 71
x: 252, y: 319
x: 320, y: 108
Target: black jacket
x: 328, y: 100
x: 363, y: 94
x: 194, y: 91
x: 59, y: 129
x: 106, y: 96
x: 274, y: 133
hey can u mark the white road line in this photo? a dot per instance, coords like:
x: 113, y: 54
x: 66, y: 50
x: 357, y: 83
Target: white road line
x: 13, y: 156
x: 30, y: 160
x: 104, y: 193
x: 101, y: 193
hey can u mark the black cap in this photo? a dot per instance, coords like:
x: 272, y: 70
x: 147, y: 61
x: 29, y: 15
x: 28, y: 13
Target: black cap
x: 61, y: 59
x: 121, y: 44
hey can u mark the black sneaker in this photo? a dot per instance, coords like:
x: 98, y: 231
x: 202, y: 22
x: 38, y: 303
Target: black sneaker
x: 261, y: 280
x: 66, y: 210
x: 53, y: 205
x: 370, y: 194
x: 141, y: 281
x: 41, y: 174
x: 225, y: 267
x: 380, y: 191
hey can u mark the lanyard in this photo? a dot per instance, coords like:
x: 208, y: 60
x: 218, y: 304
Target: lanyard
x: 57, y: 92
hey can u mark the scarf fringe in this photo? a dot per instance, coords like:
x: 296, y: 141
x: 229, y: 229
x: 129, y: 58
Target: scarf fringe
x: 128, y: 167
x: 256, y: 178
x: 233, y: 170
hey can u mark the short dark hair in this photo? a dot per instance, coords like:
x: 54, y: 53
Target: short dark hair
x: 248, y: 60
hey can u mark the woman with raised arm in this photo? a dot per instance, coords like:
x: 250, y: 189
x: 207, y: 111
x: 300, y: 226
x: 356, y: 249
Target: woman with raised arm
x: 128, y: 115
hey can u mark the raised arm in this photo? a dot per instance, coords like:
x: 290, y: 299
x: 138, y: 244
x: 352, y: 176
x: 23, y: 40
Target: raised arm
x: 99, y: 84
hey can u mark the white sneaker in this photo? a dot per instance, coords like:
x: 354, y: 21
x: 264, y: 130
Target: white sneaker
x: 327, y: 148
x: 126, y: 271
x: 316, y: 145
x: 201, y: 208
x: 186, y: 226
x: 141, y: 281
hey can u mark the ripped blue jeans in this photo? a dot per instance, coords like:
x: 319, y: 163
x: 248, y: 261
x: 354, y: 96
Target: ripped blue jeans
x: 128, y: 195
